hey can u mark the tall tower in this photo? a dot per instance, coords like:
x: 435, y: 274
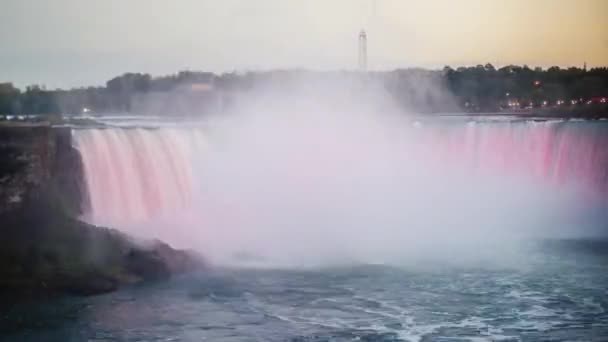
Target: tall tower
x: 362, y: 51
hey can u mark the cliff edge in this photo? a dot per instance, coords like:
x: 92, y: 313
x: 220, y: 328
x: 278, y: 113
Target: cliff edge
x: 45, y: 249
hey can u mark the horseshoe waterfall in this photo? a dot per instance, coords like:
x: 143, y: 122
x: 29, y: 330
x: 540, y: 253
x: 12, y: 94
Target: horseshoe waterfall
x: 151, y: 181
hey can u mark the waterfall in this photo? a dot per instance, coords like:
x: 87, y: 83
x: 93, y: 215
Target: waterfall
x: 556, y: 152
x: 159, y: 177
x: 135, y: 174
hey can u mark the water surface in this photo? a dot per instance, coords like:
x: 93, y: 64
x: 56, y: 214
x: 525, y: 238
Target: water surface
x: 560, y: 294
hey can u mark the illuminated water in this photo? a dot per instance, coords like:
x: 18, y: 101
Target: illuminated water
x: 357, y: 188
x: 343, y: 232
x: 560, y: 294
x: 135, y: 174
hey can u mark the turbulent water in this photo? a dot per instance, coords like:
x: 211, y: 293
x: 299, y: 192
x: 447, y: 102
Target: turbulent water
x: 559, y: 294
x: 349, y: 230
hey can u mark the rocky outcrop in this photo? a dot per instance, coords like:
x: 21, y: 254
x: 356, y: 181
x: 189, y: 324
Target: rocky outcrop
x: 46, y: 251
x: 44, y: 248
x: 26, y: 151
x: 35, y: 156
x: 67, y: 173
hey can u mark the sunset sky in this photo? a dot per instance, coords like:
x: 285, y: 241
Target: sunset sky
x: 67, y: 43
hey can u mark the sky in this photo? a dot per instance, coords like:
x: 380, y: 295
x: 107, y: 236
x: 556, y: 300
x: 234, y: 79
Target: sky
x: 72, y: 43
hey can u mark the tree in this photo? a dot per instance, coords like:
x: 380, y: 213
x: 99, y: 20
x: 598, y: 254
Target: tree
x: 9, y: 99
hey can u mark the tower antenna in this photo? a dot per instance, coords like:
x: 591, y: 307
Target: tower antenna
x: 362, y: 51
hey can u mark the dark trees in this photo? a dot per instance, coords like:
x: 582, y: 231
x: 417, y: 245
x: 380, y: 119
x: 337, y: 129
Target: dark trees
x: 480, y: 88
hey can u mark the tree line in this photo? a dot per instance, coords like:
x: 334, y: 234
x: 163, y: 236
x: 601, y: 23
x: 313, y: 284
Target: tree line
x: 481, y: 88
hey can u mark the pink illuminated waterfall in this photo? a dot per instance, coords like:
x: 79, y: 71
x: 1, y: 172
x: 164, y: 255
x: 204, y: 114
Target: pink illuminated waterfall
x: 136, y: 175
x: 558, y: 153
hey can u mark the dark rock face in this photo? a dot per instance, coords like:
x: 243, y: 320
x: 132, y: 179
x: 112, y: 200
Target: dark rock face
x: 147, y: 264
x: 89, y: 284
x: 25, y: 155
x: 67, y: 173
x: 177, y: 261
x: 44, y: 249
x: 40, y: 156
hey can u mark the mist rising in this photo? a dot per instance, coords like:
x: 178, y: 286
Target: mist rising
x: 318, y: 174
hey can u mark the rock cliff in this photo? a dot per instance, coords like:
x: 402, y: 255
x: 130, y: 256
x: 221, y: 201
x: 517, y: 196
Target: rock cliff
x: 45, y: 248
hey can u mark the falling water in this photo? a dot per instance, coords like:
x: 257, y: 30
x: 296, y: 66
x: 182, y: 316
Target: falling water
x: 157, y: 183
x: 136, y: 174
x: 556, y: 152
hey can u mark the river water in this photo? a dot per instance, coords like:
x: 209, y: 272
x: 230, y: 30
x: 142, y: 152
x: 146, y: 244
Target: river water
x: 559, y: 294
x: 263, y: 189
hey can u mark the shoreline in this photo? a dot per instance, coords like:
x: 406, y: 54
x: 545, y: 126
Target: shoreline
x: 75, y: 121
